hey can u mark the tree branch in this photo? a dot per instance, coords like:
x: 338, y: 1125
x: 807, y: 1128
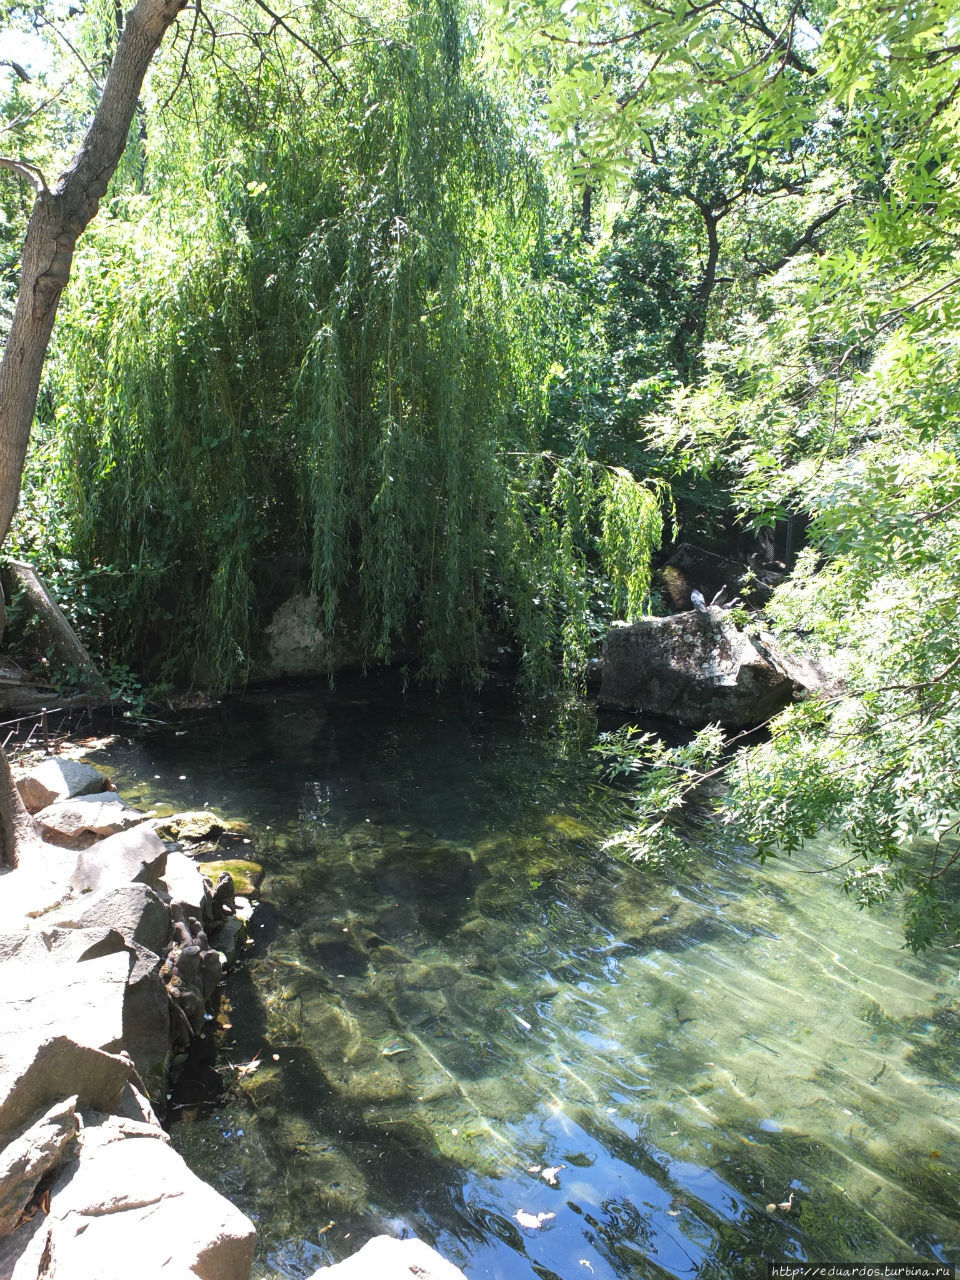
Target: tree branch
x: 28, y: 172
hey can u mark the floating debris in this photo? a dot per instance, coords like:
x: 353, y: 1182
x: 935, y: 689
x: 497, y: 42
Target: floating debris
x: 532, y: 1220
x: 550, y: 1175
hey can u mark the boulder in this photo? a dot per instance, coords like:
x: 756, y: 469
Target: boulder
x: 246, y: 875
x: 80, y: 822
x: 131, y: 1202
x: 49, y: 1142
x: 146, y: 1020
x: 64, y: 982
x: 697, y: 668
x: 298, y: 643
x: 185, y: 886
x: 136, y: 855
x: 55, y: 779
x: 35, y: 1075
x: 384, y: 1258
x: 134, y: 910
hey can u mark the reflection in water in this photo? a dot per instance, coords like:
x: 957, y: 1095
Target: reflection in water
x: 454, y: 990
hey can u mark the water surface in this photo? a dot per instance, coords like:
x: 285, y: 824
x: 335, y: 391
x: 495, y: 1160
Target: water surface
x: 455, y: 992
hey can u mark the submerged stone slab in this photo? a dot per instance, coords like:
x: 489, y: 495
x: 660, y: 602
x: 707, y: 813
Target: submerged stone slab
x: 58, y: 779
x: 384, y: 1258
x: 697, y: 668
x: 82, y: 821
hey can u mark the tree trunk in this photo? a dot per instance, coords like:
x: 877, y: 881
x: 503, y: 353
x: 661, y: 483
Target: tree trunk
x: 687, y: 343
x: 57, y: 631
x: 59, y: 216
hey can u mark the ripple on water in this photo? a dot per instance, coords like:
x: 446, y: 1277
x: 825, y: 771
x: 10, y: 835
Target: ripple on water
x: 460, y: 987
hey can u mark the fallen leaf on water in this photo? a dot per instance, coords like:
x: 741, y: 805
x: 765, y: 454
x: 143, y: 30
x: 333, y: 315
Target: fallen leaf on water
x: 550, y: 1175
x: 248, y: 1068
x: 323, y: 1230
x: 934, y: 1155
x: 532, y: 1220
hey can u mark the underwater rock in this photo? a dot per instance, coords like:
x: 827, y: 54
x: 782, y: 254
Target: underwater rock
x: 384, y: 1258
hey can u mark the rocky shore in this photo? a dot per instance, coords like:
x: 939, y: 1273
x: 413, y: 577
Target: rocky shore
x: 113, y: 944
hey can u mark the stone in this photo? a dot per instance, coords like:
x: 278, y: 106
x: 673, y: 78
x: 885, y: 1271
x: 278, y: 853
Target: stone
x: 80, y: 822
x: 134, y: 910
x: 24, y: 1161
x: 35, y: 1075
x: 137, y: 855
x: 246, y: 876
x: 202, y: 826
x: 126, y: 1203
x: 185, y: 885
x: 297, y: 643
x: 67, y: 982
x: 59, y: 779
x: 229, y: 938
x: 384, y: 1258
x: 146, y: 1020
x: 696, y: 668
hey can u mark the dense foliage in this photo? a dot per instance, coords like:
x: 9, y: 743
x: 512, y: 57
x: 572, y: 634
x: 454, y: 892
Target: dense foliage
x: 447, y: 313
x: 313, y: 329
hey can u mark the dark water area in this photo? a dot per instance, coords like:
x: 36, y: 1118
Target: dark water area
x: 466, y: 1009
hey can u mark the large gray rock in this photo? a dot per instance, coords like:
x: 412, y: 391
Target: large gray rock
x: 146, y: 1020
x: 384, y: 1258
x: 68, y: 982
x: 135, y: 855
x: 80, y: 822
x: 134, y: 910
x: 297, y: 643
x: 49, y: 1142
x: 130, y: 1206
x: 697, y: 668
x: 186, y: 886
x: 34, y: 1075
x: 55, y: 779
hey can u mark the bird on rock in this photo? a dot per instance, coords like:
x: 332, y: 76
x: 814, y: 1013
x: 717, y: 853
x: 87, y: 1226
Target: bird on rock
x: 698, y: 602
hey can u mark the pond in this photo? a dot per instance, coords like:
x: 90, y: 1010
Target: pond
x: 465, y: 1010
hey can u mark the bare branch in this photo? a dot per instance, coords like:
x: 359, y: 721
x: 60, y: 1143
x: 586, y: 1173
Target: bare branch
x: 28, y: 172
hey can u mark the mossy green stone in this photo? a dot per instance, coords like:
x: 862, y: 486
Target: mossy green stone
x: 246, y: 875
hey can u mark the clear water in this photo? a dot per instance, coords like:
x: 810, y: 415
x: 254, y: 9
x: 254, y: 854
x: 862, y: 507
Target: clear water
x: 452, y: 988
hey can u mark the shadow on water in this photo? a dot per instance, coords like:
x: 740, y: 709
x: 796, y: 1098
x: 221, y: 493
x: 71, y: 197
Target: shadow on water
x: 455, y: 992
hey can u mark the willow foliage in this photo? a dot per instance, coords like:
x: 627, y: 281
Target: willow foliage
x: 320, y: 335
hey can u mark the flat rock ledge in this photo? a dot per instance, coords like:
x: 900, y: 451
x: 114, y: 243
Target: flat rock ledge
x: 699, y: 668
x: 107, y: 975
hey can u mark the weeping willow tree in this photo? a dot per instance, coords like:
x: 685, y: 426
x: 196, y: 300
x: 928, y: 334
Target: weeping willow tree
x: 316, y: 327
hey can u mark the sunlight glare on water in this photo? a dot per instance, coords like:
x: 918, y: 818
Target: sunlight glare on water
x: 477, y: 1013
